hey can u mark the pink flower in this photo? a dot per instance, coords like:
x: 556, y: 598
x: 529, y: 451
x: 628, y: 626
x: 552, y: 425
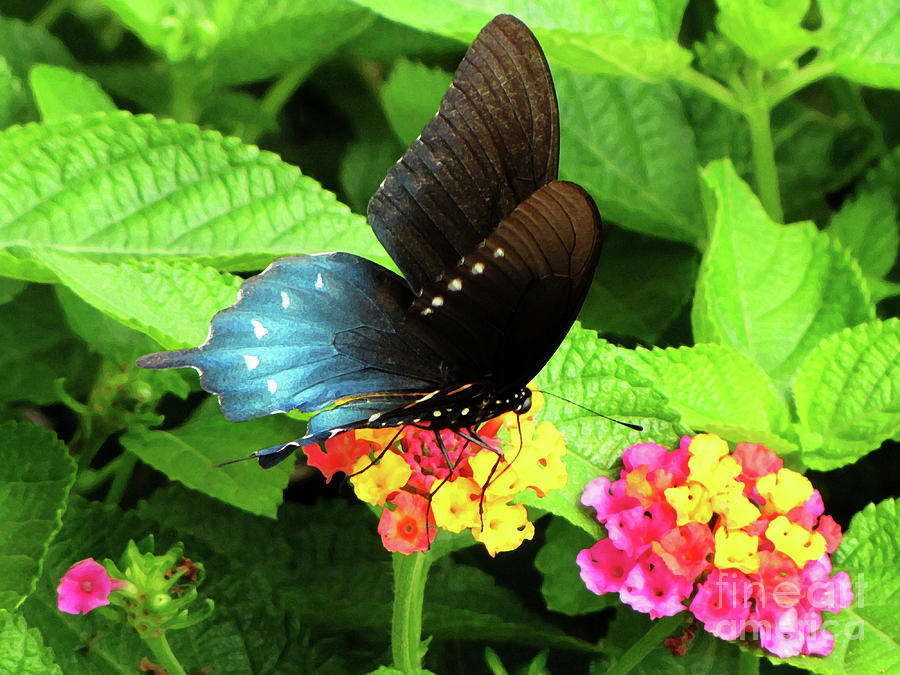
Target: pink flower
x: 85, y: 586
x: 604, y: 567
x: 651, y: 588
x: 722, y: 603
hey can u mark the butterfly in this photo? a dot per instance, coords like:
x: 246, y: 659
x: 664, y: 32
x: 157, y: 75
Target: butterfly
x: 496, y: 256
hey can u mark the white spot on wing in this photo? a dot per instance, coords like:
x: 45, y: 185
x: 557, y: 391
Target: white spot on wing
x: 285, y: 300
x: 455, y: 285
x: 319, y: 283
x: 374, y: 416
x: 251, y: 361
x: 478, y: 268
x: 437, y: 301
x: 258, y: 329
x: 272, y: 385
x: 426, y: 311
x: 499, y: 253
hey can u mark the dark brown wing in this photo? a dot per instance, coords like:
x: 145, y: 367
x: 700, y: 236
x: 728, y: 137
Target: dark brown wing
x: 501, y: 313
x: 493, y: 142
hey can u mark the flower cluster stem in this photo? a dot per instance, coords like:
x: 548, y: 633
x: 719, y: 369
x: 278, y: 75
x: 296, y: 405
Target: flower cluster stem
x: 652, y: 639
x: 163, y: 654
x: 410, y: 574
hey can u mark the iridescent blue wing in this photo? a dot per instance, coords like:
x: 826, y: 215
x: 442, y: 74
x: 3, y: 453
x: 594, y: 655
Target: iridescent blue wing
x: 309, y: 333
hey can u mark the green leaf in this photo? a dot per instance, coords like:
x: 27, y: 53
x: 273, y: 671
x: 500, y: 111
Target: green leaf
x: 863, y: 40
x: 171, y: 302
x: 867, y: 633
x: 38, y: 348
x: 711, y: 386
x: 189, y: 454
x: 10, y: 288
x: 36, y: 474
x: 21, y: 648
x: 121, y: 345
x: 767, y: 31
x: 630, y: 146
x: 562, y: 587
x: 590, y: 372
x: 60, y: 92
x: 867, y: 226
x: 14, y: 103
x: 411, y: 96
x: 23, y: 45
x: 364, y: 166
x: 770, y: 291
x: 115, y: 187
x: 245, y: 40
x: 635, y: 39
x: 846, y: 394
x: 640, y: 286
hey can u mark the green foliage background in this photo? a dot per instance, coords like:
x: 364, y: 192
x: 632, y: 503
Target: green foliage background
x: 743, y: 154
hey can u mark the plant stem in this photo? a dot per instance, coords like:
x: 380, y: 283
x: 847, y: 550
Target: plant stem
x: 697, y: 80
x: 163, y: 653
x: 756, y: 112
x: 800, y: 78
x: 275, y: 98
x: 660, y: 629
x: 410, y: 573
x: 50, y: 13
x: 125, y: 467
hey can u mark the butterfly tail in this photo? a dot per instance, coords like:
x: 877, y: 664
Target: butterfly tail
x: 181, y: 358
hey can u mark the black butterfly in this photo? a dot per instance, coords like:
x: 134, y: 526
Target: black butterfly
x: 496, y: 254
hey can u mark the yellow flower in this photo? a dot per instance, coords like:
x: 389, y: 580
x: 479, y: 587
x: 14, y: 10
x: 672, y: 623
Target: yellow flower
x: 735, y: 508
x: 379, y: 480
x: 455, y: 504
x: 795, y: 541
x: 735, y: 549
x: 506, y: 526
x: 691, y: 503
x: 784, y: 490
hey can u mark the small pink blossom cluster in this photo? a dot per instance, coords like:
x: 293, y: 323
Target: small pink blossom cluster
x: 737, y: 538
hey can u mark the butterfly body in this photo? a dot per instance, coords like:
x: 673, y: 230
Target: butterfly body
x: 496, y: 256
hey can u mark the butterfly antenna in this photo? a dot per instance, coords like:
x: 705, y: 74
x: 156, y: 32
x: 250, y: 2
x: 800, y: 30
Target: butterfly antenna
x: 634, y: 427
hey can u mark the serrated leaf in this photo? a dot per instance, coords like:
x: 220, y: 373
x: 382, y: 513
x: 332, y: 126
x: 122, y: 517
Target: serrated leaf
x: 867, y: 226
x: 21, y: 648
x: 243, y: 40
x: 640, y: 286
x: 847, y: 394
x: 411, y: 96
x: 589, y: 372
x: 115, y: 187
x: 630, y: 146
x: 770, y: 291
x: 171, y: 302
x: 36, y: 474
x: 636, y: 39
x: 714, y: 386
x: 119, y: 344
x: 60, y: 92
x: 863, y: 40
x: 768, y: 32
x: 867, y: 633
x: 189, y: 454
x: 562, y: 587
x: 38, y: 348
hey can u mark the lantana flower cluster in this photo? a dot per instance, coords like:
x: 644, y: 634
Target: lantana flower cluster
x: 737, y: 538
x: 413, y: 481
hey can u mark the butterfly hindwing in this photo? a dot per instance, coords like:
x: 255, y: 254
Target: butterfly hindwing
x: 493, y: 142
x: 309, y: 331
x: 506, y: 307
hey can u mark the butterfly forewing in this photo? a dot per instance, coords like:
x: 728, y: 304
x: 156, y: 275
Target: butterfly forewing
x: 493, y: 142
